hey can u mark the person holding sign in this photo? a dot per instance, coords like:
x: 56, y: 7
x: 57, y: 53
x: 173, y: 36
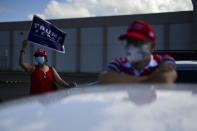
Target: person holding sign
x: 43, y: 77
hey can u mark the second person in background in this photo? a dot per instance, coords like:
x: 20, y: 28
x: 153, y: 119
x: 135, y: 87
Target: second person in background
x: 43, y: 77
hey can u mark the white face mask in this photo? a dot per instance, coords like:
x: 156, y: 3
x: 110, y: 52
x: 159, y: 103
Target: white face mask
x: 137, y: 53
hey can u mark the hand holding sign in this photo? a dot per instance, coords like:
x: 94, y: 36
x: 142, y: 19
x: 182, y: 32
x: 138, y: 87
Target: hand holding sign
x: 46, y: 34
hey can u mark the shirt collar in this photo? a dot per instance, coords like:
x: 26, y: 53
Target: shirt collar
x: 152, y: 63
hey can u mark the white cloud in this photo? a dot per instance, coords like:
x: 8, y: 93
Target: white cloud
x: 30, y: 16
x: 88, y: 8
x: 67, y: 9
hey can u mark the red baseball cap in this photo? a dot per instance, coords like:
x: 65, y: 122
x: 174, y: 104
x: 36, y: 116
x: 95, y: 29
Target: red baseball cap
x: 140, y: 30
x: 41, y: 52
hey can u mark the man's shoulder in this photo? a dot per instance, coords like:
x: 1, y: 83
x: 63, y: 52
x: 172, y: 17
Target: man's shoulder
x: 162, y: 57
x: 165, y: 58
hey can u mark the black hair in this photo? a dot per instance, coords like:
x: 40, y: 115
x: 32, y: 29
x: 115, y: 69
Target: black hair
x: 46, y: 58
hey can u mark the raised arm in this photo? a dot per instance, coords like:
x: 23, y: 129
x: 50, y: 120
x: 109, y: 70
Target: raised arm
x: 61, y: 82
x: 27, y: 67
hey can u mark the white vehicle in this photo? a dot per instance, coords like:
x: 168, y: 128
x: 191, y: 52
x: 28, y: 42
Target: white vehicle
x: 105, y: 108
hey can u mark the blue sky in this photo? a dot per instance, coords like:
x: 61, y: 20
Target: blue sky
x: 23, y: 10
x: 18, y: 10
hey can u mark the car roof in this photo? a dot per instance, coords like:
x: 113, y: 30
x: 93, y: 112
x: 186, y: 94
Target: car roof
x: 107, y: 107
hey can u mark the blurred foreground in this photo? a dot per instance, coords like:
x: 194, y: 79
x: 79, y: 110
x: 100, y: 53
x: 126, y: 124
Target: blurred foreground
x: 105, y: 108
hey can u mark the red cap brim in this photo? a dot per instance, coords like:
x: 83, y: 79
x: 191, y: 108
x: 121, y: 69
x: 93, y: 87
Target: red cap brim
x: 133, y: 35
x: 40, y: 54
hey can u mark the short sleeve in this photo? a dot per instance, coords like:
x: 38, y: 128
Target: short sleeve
x: 113, y: 66
x: 168, y: 59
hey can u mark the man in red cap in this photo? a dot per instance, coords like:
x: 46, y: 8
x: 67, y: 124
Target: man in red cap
x: 43, y: 77
x: 140, y: 65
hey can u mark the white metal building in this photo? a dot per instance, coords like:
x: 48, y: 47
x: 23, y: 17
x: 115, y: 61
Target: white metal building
x: 92, y: 42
